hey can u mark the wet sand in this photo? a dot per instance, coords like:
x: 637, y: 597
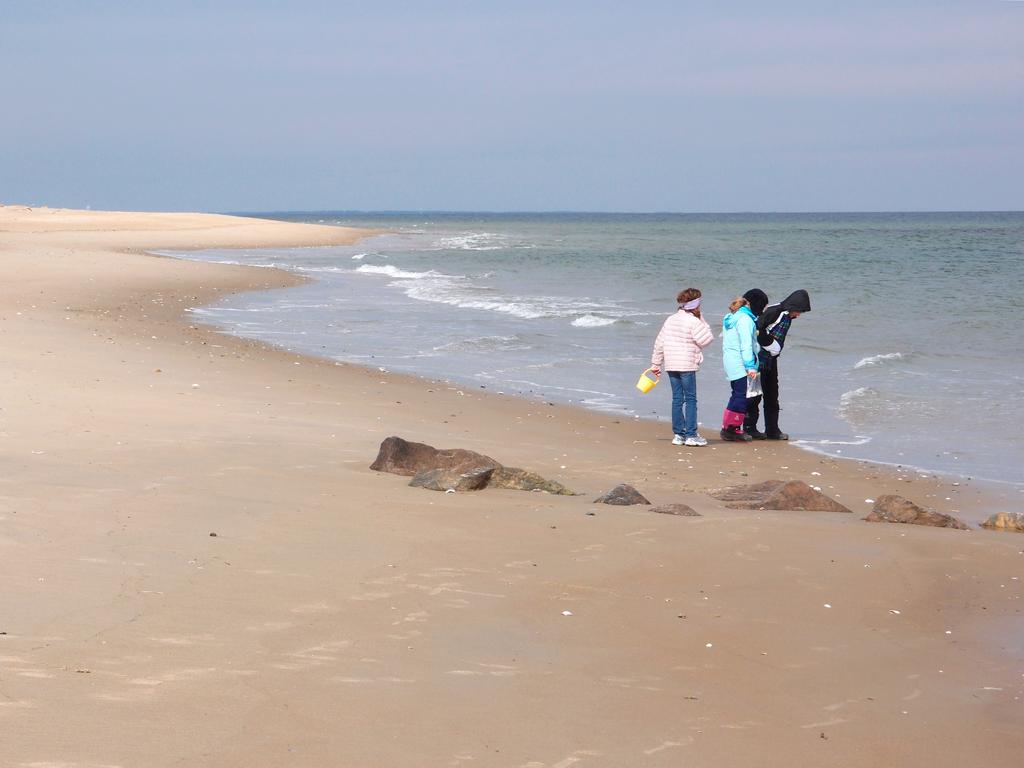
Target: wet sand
x: 341, y: 618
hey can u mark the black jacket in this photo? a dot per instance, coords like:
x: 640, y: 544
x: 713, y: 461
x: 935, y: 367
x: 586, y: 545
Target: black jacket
x: 797, y: 301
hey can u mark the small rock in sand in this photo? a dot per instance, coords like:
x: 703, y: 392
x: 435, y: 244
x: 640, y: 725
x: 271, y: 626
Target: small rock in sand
x: 622, y: 495
x: 896, y: 509
x: 522, y: 480
x: 681, y: 510
x: 792, y: 496
x: 1005, y: 521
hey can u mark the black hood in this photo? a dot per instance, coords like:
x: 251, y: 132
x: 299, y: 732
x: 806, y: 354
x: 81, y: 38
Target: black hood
x: 758, y: 300
x: 797, y: 301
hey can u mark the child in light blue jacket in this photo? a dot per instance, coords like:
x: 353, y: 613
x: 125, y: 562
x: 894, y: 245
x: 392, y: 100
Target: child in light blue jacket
x: 739, y: 356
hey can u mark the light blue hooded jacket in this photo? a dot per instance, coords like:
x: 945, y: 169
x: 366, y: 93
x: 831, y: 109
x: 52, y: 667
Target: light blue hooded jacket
x: 739, y: 343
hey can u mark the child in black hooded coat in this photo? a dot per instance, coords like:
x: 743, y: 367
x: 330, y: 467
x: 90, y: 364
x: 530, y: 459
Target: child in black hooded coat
x: 757, y: 300
x: 773, y: 325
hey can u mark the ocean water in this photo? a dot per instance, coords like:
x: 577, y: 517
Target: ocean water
x: 912, y: 353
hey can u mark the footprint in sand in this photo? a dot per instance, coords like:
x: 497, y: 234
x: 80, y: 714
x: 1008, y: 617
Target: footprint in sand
x: 312, y: 608
x: 270, y: 626
x: 174, y: 676
x: 207, y: 640
x: 645, y: 683
x: 18, y: 704
x: 520, y: 564
x: 827, y: 723
x: 489, y: 670
x: 577, y: 757
x: 588, y: 553
x: 404, y: 636
x: 369, y: 597
x: 416, y: 617
x: 372, y: 680
x: 668, y: 744
x: 63, y: 764
x: 314, y: 656
x: 39, y: 674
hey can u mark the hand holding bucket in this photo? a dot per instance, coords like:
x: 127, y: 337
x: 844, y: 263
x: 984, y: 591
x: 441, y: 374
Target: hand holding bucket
x: 648, y: 380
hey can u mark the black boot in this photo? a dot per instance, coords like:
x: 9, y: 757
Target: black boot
x: 751, y: 419
x: 733, y: 435
x: 755, y: 433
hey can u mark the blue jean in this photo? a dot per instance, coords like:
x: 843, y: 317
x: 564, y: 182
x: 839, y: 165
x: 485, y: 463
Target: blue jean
x: 684, y: 402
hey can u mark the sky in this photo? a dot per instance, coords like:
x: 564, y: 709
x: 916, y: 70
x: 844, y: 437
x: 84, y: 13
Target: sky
x: 513, y: 106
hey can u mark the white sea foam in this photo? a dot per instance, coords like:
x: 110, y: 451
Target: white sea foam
x: 857, y: 440
x: 592, y: 321
x: 218, y: 310
x: 858, y: 405
x: 472, y: 241
x: 261, y: 265
x: 865, y: 405
x: 392, y: 271
x: 854, y: 396
x: 879, y: 359
x: 360, y: 256
x: 459, y: 292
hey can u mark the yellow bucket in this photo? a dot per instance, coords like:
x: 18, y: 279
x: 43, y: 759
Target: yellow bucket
x: 647, y: 381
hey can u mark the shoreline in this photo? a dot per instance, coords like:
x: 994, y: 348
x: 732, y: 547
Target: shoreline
x: 998, y: 494
x: 340, y: 617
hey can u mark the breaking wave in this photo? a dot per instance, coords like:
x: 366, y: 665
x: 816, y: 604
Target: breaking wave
x: 593, y: 321
x: 401, y: 274
x: 879, y: 359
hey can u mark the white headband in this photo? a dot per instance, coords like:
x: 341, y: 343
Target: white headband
x: 692, y: 304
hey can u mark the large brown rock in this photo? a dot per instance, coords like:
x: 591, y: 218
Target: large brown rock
x: 522, y: 480
x: 1006, y: 521
x: 682, y: 510
x: 791, y: 496
x: 896, y: 509
x: 451, y: 480
x: 456, y: 469
x: 622, y: 495
x: 401, y: 457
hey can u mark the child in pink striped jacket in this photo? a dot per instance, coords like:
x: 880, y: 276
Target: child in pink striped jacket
x: 678, y: 350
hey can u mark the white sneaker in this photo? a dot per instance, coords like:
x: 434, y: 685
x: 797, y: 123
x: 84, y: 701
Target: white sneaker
x: 677, y: 440
x: 696, y: 441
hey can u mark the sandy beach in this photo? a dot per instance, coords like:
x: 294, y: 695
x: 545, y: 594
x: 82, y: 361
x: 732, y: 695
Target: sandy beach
x: 199, y: 568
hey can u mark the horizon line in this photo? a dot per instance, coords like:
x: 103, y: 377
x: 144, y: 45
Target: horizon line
x: 608, y: 212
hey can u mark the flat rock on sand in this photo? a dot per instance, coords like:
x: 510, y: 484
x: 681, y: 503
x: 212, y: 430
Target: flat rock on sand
x: 1005, y: 521
x: 523, y: 480
x: 402, y: 457
x: 451, y: 480
x: 680, y: 510
x: 896, y: 509
x: 791, y: 496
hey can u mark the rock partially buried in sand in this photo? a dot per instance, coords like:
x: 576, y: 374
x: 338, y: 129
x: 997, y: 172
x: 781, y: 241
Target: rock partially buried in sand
x: 896, y: 509
x: 522, y: 480
x: 433, y: 468
x: 681, y: 510
x: 792, y: 496
x: 1006, y: 521
x: 449, y: 480
x: 622, y: 495
x: 401, y: 457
